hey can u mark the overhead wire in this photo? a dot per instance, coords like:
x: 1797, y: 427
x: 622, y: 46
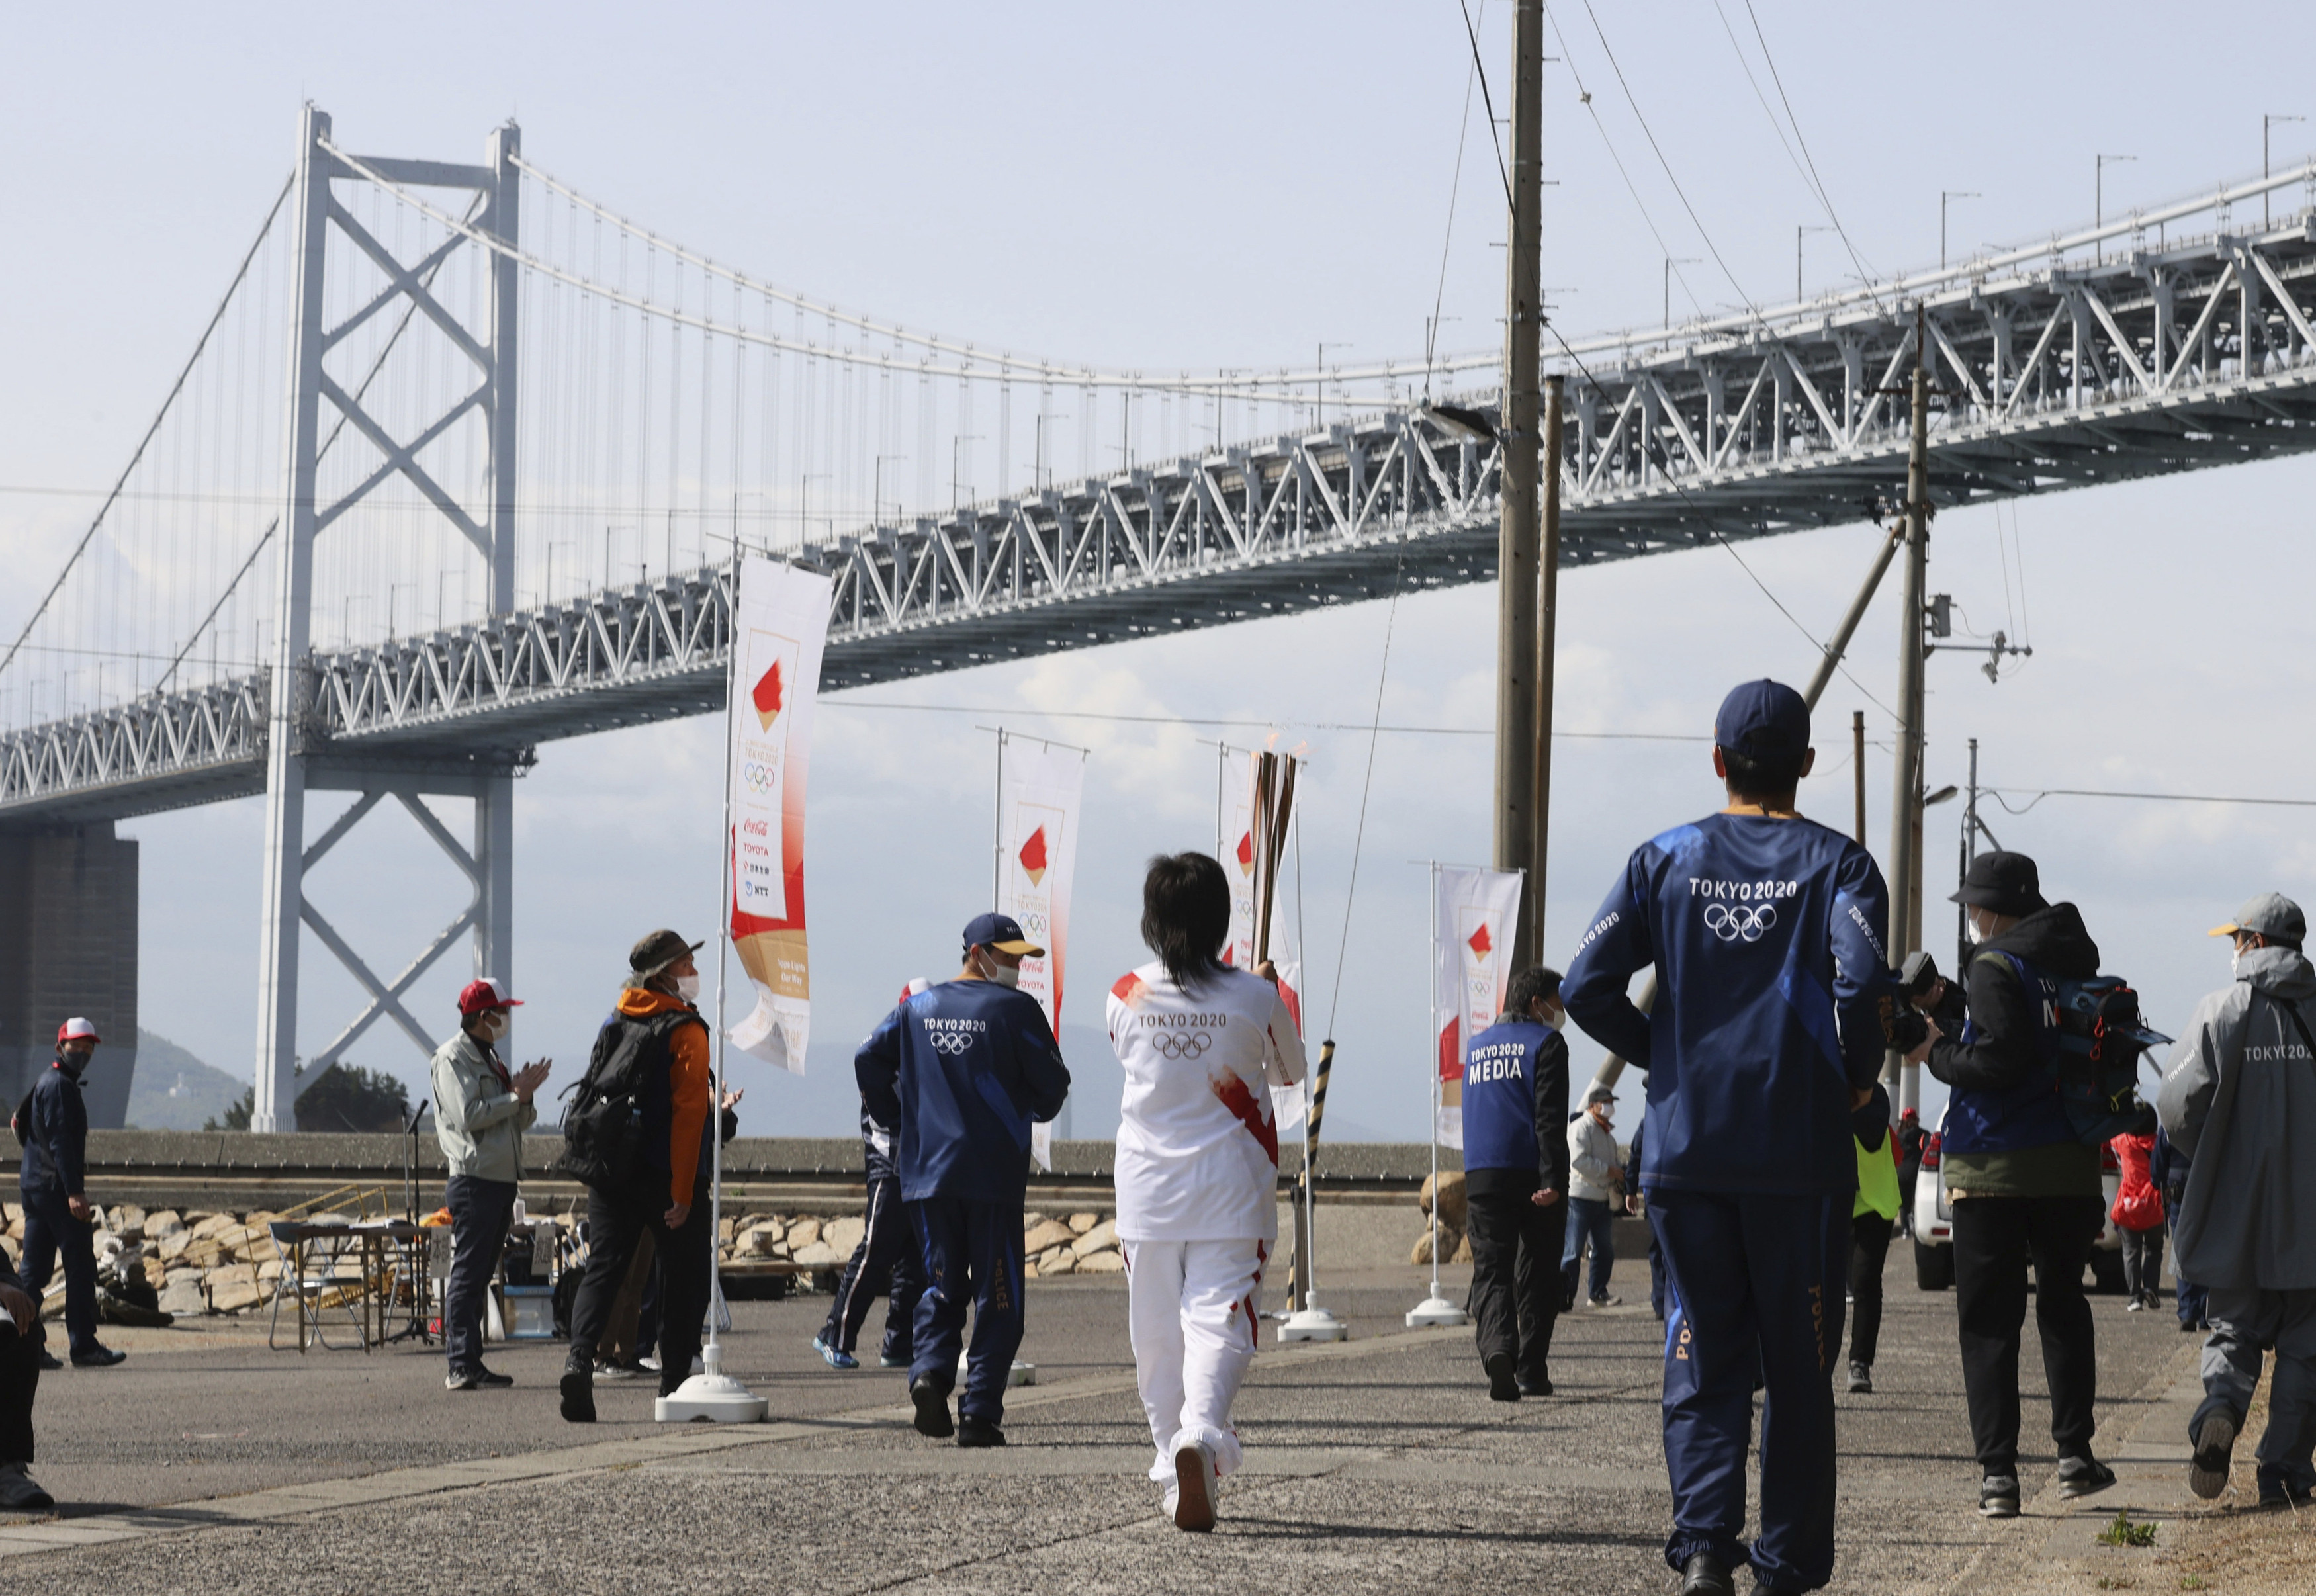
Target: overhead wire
x: 1824, y: 199
x: 1455, y: 188
x: 1366, y: 790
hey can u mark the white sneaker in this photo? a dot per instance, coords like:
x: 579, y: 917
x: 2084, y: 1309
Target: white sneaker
x: 1173, y: 1499
x: 1194, y: 1488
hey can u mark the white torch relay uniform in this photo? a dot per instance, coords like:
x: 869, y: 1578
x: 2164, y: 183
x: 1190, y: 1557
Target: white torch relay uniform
x: 1198, y: 1191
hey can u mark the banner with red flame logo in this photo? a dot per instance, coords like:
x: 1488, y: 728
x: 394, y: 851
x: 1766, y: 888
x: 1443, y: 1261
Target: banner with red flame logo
x: 1041, y: 789
x: 1473, y: 915
x: 779, y: 631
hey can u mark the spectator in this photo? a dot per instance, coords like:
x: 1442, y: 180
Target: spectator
x: 480, y: 1113
x: 656, y: 1038
x: 2167, y: 1168
x: 2240, y: 1101
x: 1202, y: 1046
x: 2022, y: 1185
x: 52, y: 1125
x: 960, y: 1070
x: 885, y: 1260
x: 1774, y: 1004
x: 2138, y: 1215
x: 1593, y: 1177
x: 21, y: 1338
x: 1871, y: 1216
x: 1911, y: 1140
x: 1515, y: 1177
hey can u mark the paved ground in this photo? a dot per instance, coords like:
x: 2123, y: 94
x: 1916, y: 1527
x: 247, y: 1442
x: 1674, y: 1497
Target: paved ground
x: 209, y: 1463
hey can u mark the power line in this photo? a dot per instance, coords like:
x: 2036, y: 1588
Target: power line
x: 1323, y: 725
x: 1822, y: 197
x: 2001, y: 795
x: 1711, y: 248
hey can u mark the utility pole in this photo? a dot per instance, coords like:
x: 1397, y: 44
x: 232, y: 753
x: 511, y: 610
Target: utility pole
x: 1518, y: 535
x: 1906, y: 792
x: 1546, y: 633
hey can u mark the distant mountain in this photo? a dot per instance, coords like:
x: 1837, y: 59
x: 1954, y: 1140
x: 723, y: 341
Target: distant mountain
x: 174, y: 1091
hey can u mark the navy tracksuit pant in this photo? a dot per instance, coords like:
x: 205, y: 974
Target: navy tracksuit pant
x: 972, y: 1256
x: 888, y: 1252
x: 1756, y: 1282
x: 51, y: 1234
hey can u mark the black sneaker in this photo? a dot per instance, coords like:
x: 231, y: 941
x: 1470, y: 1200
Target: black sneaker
x: 1539, y: 1386
x: 20, y: 1493
x: 932, y: 1409
x: 976, y: 1432
x: 1705, y: 1574
x: 578, y: 1394
x: 462, y: 1379
x: 1502, y: 1386
x: 2214, y: 1440
x: 98, y: 1358
x: 1861, y: 1380
x: 49, y: 1362
x: 2083, y: 1476
x: 1998, y: 1496
x: 2276, y: 1491
x: 491, y: 1379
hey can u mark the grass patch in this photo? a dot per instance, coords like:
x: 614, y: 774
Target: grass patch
x: 2123, y: 1532
x: 2193, y: 1582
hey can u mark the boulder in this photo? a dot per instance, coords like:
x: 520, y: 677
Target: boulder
x: 212, y: 1223
x: 165, y: 1222
x: 843, y: 1235
x: 182, y: 1297
x: 1081, y: 1223
x: 1051, y: 1233
x: 803, y: 1230
x: 819, y: 1253
x: 1450, y: 1190
x: 1030, y: 1221
x: 227, y: 1274
x: 1104, y: 1262
x: 175, y: 1244
x: 1451, y: 1242
x: 233, y: 1296
x: 155, y: 1271
x: 1101, y: 1237
x: 1057, y: 1262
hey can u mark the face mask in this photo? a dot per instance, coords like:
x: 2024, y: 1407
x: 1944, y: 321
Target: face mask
x: 687, y: 987
x: 1555, y: 1018
x: 2235, y: 964
x: 493, y: 1028
x: 1004, y: 974
x: 1977, y: 933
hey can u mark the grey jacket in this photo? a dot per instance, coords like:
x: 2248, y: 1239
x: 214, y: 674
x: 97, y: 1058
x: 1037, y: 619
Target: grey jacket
x: 1591, y: 1154
x: 2240, y: 1101
x: 478, y: 1121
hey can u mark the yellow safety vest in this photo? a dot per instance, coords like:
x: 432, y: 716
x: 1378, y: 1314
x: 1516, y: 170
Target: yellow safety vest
x: 1877, y: 1183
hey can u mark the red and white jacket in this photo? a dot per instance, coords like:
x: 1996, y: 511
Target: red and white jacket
x: 1198, y: 1149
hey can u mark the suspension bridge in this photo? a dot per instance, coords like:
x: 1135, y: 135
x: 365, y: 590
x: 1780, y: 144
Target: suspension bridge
x: 457, y: 465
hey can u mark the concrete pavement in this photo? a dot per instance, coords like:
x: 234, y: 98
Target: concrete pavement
x: 209, y: 1464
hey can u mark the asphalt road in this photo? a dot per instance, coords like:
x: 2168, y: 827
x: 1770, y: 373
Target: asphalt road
x: 1375, y: 1466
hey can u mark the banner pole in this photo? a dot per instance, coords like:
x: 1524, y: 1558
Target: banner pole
x: 997, y: 832
x: 714, y: 1394
x: 1434, y: 1309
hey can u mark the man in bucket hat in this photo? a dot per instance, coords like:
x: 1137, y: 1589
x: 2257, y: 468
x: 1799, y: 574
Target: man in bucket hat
x: 655, y: 1037
x: 480, y: 1113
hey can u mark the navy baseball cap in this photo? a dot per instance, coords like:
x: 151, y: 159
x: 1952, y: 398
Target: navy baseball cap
x: 1003, y: 933
x: 1763, y: 720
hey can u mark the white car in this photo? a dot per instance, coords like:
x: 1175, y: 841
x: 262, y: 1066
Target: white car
x: 1933, y: 1224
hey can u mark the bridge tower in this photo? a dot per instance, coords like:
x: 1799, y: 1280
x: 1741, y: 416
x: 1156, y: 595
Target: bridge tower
x: 299, y: 761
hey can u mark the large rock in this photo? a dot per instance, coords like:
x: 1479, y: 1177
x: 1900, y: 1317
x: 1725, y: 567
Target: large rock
x: 211, y: 1225
x: 803, y: 1231
x: 175, y: 1244
x: 1105, y: 1263
x: 815, y: 1253
x: 1103, y: 1237
x: 233, y: 1296
x: 182, y: 1297
x: 1451, y: 1242
x: 166, y: 1222
x: 1057, y: 1261
x: 843, y: 1235
x: 1449, y: 1190
x: 1081, y: 1223
x: 1051, y: 1233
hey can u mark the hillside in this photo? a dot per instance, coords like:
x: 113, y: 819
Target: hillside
x: 174, y: 1091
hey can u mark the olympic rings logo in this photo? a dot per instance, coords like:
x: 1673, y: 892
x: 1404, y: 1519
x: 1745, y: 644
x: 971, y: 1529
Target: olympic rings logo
x: 952, y: 1042
x: 1182, y: 1044
x: 1746, y: 921
x: 758, y: 777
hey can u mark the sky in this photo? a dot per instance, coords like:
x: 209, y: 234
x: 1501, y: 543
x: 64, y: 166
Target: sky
x: 1208, y: 185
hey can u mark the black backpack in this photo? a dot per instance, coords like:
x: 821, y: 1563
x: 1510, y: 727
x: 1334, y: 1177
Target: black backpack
x: 603, y: 1115
x: 2094, y: 1035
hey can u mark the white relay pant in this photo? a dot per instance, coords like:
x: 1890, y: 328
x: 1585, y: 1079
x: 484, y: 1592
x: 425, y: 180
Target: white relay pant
x: 1193, y: 1311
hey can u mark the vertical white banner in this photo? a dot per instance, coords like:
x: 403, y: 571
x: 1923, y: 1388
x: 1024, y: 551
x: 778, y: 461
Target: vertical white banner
x: 1473, y: 915
x: 780, y: 627
x: 1041, y: 792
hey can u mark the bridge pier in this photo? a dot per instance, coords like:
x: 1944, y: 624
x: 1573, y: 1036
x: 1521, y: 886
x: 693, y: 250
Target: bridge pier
x: 68, y: 946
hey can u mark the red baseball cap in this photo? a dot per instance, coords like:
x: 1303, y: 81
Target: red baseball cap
x: 73, y: 1030
x: 485, y: 994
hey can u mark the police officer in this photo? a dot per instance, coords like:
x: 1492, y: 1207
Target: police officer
x: 961, y: 1069
x: 1773, y: 992
x: 1515, y: 1182
x: 54, y: 1129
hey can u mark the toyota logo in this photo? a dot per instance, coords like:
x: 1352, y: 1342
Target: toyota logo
x: 1747, y: 921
